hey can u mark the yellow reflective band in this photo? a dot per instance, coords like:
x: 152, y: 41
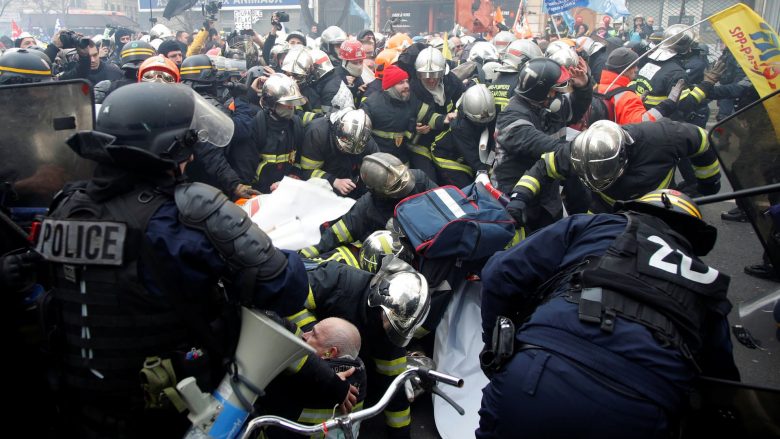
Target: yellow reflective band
x: 704, y: 172
x: 196, y: 69
x: 318, y: 416
x: 704, y: 145
x: 137, y: 51
x: 450, y: 106
x: 655, y: 100
x: 348, y: 257
x: 260, y: 170
x: 398, y: 419
x: 549, y: 160
x: 667, y: 180
x: 317, y: 173
x: 432, y: 121
x: 391, y: 135
x: 698, y: 94
x: 292, y: 369
x: 420, y: 150
x: 279, y: 158
x: 530, y: 183
x: 309, y: 252
x: 390, y: 367
x: 422, y: 112
x: 606, y: 198
x: 679, y: 202
x: 309, y: 164
x: 307, y: 117
x: 518, y: 237
x: 452, y: 165
x: 302, y: 318
x: 310, y: 304
x: 420, y: 332
x: 25, y: 71
x: 439, y: 137
x: 342, y: 233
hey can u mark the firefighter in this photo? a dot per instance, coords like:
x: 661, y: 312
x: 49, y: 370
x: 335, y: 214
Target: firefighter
x: 391, y: 113
x: 533, y: 123
x: 456, y: 151
x: 388, y: 181
x: 618, y: 162
x: 334, y: 151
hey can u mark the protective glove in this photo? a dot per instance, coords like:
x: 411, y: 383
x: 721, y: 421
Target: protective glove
x: 676, y: 91
x: 17, y: 271
x: 236, y: 89
x: 244, y: 191
x: 712, y: 75
x: 668, y: 106
x: 516, y: 208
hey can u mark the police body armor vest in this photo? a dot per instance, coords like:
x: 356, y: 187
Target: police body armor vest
x: 110, y: 322
x: 649, y: 276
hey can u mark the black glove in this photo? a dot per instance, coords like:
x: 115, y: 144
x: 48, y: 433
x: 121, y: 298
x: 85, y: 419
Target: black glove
x: 17, y: 270
x: 236, y: 89
x: 516, y: 208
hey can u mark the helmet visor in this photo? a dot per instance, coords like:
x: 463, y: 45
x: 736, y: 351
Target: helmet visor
x: 158, y: 76
x: 211, y: 124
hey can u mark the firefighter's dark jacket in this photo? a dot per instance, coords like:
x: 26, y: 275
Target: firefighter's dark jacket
x: 393, y: 123
x: 320, y: 158
x: 457, y: 148
x: 369, y: 214
x: 652, y: 159
x: 265, y: 147
x: 428, y: 112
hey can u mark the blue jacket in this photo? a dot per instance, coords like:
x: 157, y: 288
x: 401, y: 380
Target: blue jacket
x: 629, y: 355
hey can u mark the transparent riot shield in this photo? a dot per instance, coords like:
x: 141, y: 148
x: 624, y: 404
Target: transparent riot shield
x: 35, y: 161
x: 749, y: 152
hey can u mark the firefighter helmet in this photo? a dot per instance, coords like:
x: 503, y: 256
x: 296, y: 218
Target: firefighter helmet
x: 385, y: 175
x: 598, y: 154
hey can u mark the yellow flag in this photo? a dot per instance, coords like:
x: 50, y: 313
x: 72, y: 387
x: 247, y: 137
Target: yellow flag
x: 445, y: 50
x: 756, y: 48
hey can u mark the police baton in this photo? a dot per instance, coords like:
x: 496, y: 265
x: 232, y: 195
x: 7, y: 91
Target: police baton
x: 758, y: 190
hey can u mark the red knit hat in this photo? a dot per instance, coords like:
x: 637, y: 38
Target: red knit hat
x: 392, y: 76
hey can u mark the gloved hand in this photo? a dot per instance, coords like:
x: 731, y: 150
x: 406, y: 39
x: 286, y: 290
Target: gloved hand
x: 516, y: 208
x: 713, y: 74
x: 244, y: 191
x: 236, y: 89
x: 17, y: 270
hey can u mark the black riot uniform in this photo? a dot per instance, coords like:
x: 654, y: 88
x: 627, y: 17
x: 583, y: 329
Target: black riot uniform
x: 137, y: 256
x: 523, y: 134
x: 265, y: 147
x: 392, y: 122
x: 429, y: 112
x: 503, y: 88
x: 368, y: 214
x: 456, y: 151
x: 321, y: 158
x: 338, y: 290
x: 652, y: 158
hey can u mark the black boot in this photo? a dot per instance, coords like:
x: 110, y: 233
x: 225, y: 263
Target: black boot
x: 762, y: 271
x: 735, y: 214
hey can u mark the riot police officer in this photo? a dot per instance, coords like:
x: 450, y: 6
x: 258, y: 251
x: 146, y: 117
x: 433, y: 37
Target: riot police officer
x: 136, y: 256
x: 23, y: 67
x: 131, y: 56
x: 619, y: 317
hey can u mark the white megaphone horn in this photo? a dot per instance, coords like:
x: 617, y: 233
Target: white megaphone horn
x: 264, y: 350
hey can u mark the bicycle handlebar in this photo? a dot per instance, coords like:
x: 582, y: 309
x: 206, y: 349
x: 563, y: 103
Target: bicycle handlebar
x: 347, y: 420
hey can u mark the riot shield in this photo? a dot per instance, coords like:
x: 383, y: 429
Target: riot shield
x: 749, y: 152
x: 35, y: 161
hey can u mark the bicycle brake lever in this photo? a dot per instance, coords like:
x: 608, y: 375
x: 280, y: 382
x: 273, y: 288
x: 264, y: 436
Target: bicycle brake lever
x: 449, y: 400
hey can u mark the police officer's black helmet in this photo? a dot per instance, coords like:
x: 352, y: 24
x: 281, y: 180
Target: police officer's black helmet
x: 35, y: 50
x: 22, y: 66
x: 540, y: 75
x: 151, y: 123
x: 678, y: 211
x: 135, y: 52
x: 198, y: 68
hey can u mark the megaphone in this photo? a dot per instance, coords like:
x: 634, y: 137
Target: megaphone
x: 264, y: 350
